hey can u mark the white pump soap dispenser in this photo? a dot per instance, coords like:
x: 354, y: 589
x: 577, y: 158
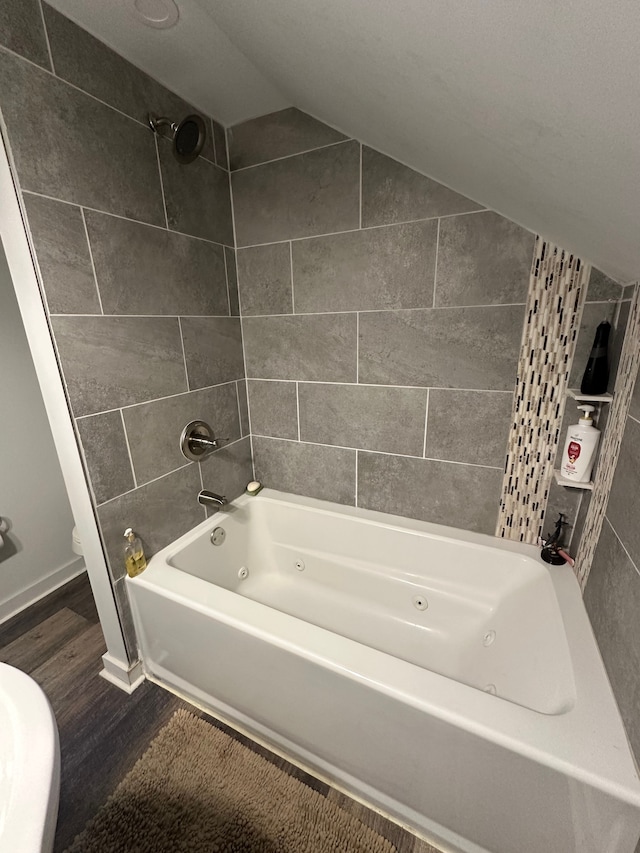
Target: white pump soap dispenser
x: 580, y: 448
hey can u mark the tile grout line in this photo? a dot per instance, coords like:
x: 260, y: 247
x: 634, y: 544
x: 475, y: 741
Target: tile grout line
x: 154, y: 400
x: 374, y: 385
x: 435, y: 266
x: 296, y: 154
x: 298, y: 407
x: 126, y: 439
x: 164, y: 201
x: 244, y: 353
x: 93, y: 268
x: 226, y: 277
x: 184, y: 355
x: 151, y: 316
x: 381, y: 452
x: 360, y: 190
x: 426, y: 420
x: 46, y: 38
x: 383, y: 310
x: 238, y: 405
x: 356, y: 486
x: 125, y: 218
x: 293, y: 298
x: 357, y: 347
x: 365, y: 228
x: 162, y: 476
x: 622, y: 545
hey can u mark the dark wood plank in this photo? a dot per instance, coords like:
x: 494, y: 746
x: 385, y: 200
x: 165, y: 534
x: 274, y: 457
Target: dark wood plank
x: 64, y: 675
x: 75, y: 595
x: 36, y: 646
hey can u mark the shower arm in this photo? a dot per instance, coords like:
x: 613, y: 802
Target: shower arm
x: 158, y: 122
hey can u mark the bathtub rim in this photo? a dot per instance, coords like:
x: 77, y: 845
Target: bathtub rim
x: 593, y: 725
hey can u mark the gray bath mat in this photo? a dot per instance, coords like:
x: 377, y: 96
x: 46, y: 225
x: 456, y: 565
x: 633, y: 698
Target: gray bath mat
x: 196, y: 790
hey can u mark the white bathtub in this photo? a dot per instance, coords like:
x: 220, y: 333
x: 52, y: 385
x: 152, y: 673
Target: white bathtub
x: 367, y: 648
x: 29, y: 765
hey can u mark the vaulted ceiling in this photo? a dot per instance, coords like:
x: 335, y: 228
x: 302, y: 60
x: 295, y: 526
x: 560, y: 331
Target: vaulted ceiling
x: 532, y: 109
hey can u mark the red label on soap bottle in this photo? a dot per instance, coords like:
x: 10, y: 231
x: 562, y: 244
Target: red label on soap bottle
x: 573, y: 451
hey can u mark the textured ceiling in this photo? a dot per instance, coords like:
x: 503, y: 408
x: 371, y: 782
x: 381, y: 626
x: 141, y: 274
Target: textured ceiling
x: 532, y: 109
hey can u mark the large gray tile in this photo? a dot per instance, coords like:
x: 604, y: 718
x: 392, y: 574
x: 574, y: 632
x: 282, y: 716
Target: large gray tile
x: 302, y: 196
x: 483, y: 259
x: 154, y: 429
x: 469, y: 426
x: 197, y: 197
x: 612, y: 599
x: 105, y: 450
x: 602, y: 288
x: 384, y: 419
x: 228, y: 470
x: 264, y: 274
x: 326, y: 473
x: 274, y: 408
x: 110, y: 362
x: 232, y: 281
x: 159, y: 512
x: 22, y: 30
x: 392, y: 192
x: 592, y: 316
x: 622, y: 508
x: 390, y: 267
x: 441, y: 492
x: 320, y: 347
x: 63, y: 256
x: 69, y: 146
x: 279, y: 134
x: 213, y: 350
x: 146, y: 270
x: 243, y: 406
x: 92, y: 66
x: 447, y: 347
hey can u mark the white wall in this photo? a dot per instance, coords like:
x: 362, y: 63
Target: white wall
x: 37, y: 555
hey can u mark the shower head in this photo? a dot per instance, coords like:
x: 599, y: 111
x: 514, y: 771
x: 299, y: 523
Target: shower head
x: 188, y: 136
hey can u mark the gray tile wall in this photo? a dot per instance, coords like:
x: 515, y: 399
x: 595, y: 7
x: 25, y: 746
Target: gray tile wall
x: 612, y: 594
x: 137, y: 260
x: 382, y: 316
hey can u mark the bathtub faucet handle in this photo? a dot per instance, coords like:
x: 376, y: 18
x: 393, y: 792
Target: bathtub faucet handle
x: 211, y: 500
x: 198, y: 440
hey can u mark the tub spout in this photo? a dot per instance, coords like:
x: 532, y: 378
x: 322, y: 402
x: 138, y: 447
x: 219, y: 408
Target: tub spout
x: 211, y: 500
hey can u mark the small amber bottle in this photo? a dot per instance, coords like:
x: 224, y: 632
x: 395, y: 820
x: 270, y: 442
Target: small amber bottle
x: 134, y: 558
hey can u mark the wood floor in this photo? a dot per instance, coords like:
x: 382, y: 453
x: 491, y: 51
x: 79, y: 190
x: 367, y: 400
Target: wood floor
x: 103, y: 731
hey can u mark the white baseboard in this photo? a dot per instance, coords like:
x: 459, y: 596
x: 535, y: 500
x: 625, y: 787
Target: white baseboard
x: 26, y: 597
x: 125, y: 676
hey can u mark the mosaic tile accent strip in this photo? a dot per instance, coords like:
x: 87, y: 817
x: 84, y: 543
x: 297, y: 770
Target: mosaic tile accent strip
x: 611, y: 441
x: 557, y: 290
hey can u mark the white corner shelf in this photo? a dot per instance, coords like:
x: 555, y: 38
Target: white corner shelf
x: 571, y: 484
x: 594, y: 398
